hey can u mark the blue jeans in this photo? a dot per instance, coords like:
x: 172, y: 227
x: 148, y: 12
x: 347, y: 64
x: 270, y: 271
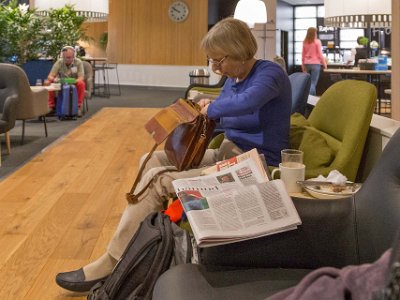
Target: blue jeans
x: 314, y: 71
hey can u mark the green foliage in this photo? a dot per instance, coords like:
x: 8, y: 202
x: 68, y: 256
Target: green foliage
x: 363, y: 41
x: 20, y: 32
x: 26, y: 35
x: 63, y: 27
x: 103, y: 41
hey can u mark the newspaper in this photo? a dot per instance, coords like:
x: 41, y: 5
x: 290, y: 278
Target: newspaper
x: 235, y: 204
x: 252, y: 154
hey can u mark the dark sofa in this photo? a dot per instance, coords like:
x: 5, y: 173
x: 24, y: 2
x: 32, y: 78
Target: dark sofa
x: 335, y: 233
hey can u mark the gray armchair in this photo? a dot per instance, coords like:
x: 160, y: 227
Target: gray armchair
x: 89, y: 85
x: 7, y: 117
x: 31, y: 104
x: 336, y: 233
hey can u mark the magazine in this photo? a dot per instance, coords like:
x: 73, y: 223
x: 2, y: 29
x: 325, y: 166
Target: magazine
x: 235, y: 204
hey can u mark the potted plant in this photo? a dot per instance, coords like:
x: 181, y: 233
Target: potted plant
x: 63, y: 27
x: 103, y: 40
x: 26, y: 36
x: 363, y: 40
x: 20, y: 33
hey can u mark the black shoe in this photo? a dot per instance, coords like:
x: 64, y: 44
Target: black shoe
x: 75, y: 281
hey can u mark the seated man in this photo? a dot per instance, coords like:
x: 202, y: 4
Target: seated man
x: 68, y: 66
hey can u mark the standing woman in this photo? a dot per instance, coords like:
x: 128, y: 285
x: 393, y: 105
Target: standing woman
x: 312, y: 58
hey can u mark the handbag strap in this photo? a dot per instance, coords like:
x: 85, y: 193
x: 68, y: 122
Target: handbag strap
x: 160, y: 127
x: 133, y: 198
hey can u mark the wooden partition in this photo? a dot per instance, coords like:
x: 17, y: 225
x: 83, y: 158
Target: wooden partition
x: 140, y: 32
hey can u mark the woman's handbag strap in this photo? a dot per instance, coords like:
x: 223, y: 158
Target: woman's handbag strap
x: 131, y: 197
x: 160, y: 127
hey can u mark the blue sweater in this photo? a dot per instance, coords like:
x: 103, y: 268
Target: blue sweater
x: 255, y: 112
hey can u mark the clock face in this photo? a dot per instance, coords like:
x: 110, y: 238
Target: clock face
x: 178, y: 11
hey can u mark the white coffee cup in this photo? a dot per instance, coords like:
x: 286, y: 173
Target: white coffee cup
x: 290, y: 174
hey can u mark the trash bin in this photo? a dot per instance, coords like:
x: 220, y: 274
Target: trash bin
x: 199, y: 76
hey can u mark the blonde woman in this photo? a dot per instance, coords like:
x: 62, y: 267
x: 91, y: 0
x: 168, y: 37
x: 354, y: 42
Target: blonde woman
x: 312, y: 58
x: 253, y: 108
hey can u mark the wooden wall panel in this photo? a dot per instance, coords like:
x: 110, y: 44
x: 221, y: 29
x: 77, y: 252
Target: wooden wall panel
x: 94, y: 32
x: 140, y: 32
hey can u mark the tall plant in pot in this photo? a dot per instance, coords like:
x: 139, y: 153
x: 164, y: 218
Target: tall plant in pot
x: 20, y: 33
x: 63, y: 27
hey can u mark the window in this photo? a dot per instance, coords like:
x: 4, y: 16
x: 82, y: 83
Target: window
x: 348, y: 37
x: 313, y: 16
x: 304, y: 17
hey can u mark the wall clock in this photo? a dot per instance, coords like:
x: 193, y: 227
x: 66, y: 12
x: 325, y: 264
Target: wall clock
x: 178, y: 11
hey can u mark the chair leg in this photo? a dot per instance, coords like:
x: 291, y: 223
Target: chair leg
x: 23, y: 132
x: 119, y: 86
x: 107, y: 81
x: 45, y: 125
x: 8, y: 142
x: 86, y: 105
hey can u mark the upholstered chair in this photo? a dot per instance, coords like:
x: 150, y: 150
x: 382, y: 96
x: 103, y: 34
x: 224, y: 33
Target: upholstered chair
x: 212, y: 90
x: 31, y: 104
x: 334, y: 135
x: 7, y: 117
x: 335, y: 233
x: 89, y: 85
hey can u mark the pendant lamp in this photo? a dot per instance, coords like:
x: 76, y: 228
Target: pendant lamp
x: 93, y: 10
x: 358, y: 13
x: 251, y: 12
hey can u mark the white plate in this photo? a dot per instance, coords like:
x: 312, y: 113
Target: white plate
x: 330, y: 192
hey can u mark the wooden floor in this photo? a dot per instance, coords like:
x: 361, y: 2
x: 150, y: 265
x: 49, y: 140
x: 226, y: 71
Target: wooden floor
x: 59, y: 211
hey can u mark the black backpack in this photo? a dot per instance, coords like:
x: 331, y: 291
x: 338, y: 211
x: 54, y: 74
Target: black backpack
x: 157, y: 245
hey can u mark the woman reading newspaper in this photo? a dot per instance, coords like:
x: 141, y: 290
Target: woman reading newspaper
x: 253, y: 109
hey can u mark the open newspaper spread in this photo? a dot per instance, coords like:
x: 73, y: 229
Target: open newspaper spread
x: 236, y: 203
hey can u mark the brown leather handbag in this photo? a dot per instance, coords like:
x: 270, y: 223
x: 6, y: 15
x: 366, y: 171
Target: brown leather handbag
x: 188, y: 133
x: 186, y: 145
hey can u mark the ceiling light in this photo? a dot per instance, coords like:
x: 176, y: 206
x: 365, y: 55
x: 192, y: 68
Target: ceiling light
x: 92, y: 10
x: 358, y: 13
x: 251, y: 12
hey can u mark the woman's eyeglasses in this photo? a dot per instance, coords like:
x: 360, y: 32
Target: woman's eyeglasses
x: 217, y: 63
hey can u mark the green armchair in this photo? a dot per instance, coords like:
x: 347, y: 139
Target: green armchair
x: 334, y: 134
x: 212, y: 90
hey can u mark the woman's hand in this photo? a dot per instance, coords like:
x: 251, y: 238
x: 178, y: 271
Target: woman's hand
x: 203, y: 102
x: 204, y: 109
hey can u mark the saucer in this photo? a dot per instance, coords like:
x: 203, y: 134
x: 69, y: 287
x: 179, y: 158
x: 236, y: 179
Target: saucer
x: 332, y: 191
